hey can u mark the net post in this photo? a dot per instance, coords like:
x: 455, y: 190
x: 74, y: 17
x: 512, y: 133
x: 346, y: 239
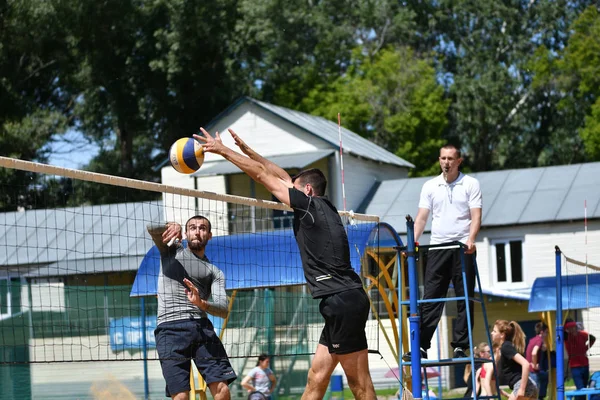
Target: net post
x: 560, y: 371
x: 144, y: 347
x: 414, y: 318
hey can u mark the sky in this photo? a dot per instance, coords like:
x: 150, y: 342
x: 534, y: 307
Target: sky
x: 71, y: 151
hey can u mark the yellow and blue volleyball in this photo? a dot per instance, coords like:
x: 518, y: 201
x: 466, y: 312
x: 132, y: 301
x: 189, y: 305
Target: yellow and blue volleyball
x: 186, y: 155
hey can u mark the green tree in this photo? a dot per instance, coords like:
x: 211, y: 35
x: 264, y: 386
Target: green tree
x: 149, y: 73
x: 392, y: 99
x: 33, y: 109
x: 484, y: 52
x: 570, y: 78
x: 580, y: 70
x: 287, y: 47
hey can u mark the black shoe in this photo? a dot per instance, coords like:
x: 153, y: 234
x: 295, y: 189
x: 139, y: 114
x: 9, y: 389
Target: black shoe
x: 459, y: 353
x: 406, y: 356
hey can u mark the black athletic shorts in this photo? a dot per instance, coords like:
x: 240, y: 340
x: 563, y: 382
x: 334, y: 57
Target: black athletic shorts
x: 178, y: 342
x: 345, y: 316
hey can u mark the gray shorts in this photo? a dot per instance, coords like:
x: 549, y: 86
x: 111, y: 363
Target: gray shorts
x: 531, y: 390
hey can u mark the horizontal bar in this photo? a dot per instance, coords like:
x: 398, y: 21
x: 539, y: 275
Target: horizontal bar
x: 442, y: 300
x: 449, y: 361
x: 449, y: 245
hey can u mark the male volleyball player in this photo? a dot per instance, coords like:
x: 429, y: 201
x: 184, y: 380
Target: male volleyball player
x: 454, y: 200
x: 325, y: 254
x: 186, y: 282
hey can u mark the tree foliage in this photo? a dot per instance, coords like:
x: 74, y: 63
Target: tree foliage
x: 514, y: 82
x: 288, y: 46
x: 577, y: 75
x: 33, y: 107
x: 392, y: 99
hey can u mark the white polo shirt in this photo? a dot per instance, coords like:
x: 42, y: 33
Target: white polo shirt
x: 450, y: 207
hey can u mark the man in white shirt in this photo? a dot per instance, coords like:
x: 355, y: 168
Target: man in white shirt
x: 454, y: 201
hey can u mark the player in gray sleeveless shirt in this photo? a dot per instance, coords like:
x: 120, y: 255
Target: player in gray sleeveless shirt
x: 189, y: 288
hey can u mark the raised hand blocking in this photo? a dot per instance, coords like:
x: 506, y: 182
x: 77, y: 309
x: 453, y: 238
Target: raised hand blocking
x: 210, y: 144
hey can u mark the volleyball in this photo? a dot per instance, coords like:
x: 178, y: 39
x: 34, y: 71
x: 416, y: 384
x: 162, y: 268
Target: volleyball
x: 186, y: 155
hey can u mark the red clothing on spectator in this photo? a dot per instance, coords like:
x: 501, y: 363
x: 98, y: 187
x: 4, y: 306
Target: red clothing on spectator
x: 577, y: 349
x: 482, y: 374
x: 538, y: 341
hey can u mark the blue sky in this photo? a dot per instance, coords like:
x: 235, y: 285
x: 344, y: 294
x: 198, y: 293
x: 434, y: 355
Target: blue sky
x: 71, y: 150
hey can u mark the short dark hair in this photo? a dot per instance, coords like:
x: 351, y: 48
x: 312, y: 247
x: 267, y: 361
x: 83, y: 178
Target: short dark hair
x: 199, y: 217
x: 262, y: 358
x: 540, y: 327
x: 450, y: 146
x: 315, y: 177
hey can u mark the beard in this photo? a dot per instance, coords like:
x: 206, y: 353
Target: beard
x: 196, y: 245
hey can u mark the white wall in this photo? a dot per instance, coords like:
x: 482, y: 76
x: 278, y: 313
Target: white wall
x: 266, y: 133
x: 359, y: 176
x: 538, y: 249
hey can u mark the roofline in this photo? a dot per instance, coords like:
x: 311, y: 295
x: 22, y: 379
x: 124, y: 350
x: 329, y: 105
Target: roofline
x: 541, y: 222
x: 227, y: 111
x: 367, y: 199
x: 256, y: 102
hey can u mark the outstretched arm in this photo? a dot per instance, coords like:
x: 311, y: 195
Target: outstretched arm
x: 247, y: 150
x: 259, y: 172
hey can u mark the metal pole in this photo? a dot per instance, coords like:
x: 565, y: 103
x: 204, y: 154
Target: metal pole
x: 144, y: 348
x: 560, y: 349
x: 414, y: 318
x: 467, y: 300
x: 399, y: 288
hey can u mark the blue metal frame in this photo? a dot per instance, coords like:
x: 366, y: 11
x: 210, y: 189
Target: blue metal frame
x: 415, y: 319
x: 560, y: 349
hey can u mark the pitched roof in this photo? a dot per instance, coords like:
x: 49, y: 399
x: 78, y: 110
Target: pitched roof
x: 285, y: 161
x: 328, y: 131
x: 320, y: 127
x: 55, y: 237
x: 510, y: 197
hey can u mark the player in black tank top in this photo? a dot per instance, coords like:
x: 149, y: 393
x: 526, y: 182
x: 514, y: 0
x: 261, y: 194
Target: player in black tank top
x: 325, y: 254
x: 323, y: 245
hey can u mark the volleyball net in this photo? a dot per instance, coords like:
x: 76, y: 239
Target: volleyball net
x: 78, y: 283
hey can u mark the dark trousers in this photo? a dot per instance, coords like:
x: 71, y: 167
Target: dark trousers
x: 581, y: 377
x: 442, y: 267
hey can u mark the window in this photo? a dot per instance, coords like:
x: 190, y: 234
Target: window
x: 244, y: 219
x: 4, y: 298
x: 507, y: 258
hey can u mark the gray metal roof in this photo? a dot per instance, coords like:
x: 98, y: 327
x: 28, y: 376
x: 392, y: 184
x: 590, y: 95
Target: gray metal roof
x: 86, y: 266
x: 286, y: 161
x: 53, y: 239
x: 510, y: 197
